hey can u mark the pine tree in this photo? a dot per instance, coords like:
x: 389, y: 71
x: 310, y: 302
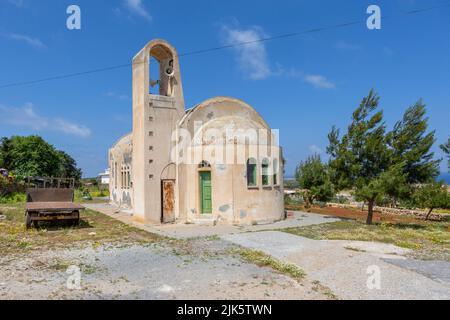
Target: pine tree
x: 359, y: 159
x: 432, y: 195
x: 410, y: 145
x: 313, y: 176
x: 446, y: 148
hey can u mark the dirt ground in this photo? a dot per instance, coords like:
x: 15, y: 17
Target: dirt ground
x: 430, y: 240
x: 104, y: 258
x: 350, y: 213
x: 152, y: 271
x: 117, y: 261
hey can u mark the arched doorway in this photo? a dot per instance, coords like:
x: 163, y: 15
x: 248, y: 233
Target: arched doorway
x: 168, y: 194
x: 205, y: 187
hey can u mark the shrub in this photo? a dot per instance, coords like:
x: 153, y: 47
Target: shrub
x: 16, y: 197
x: 341, y: 200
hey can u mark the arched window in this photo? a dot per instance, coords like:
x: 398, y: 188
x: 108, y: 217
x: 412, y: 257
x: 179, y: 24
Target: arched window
x: 265, y: 172
x: 204, y: 164
x: 275, y: 172
x: 251, y: 172
x: 161, y: 71
x: 122, y: 177
x: 115, y: 175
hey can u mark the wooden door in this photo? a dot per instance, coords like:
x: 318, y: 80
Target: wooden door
x: 205, y: 192
x: 168, y: 201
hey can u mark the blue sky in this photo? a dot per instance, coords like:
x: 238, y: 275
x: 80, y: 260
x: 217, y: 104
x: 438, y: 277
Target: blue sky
x: 301, y: 86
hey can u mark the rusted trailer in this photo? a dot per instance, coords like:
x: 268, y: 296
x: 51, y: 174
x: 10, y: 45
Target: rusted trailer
x: 50, y: 204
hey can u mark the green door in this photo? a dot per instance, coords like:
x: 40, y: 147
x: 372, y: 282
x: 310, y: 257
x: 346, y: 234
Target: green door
x: 205, y: 192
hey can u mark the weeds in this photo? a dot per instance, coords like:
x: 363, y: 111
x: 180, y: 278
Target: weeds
x: 263, y: 260
x: 427, y: 239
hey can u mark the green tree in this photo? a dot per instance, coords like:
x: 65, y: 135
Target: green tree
x: 391, y: 182
x: 432, y: 195
x: 33, y: 156
x: 5, y: 152
x: 359, y: 158
x: 410, y: 145
x: 68, y: 167
x: 313, y: 176
x: 446, y: 148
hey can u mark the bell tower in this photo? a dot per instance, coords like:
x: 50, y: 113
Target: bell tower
x: 155, y: 117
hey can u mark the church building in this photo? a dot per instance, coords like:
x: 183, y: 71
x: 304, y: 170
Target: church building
x: 217, y: 162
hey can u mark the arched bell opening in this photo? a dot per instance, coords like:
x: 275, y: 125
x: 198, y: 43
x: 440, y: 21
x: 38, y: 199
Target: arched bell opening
x: 162, y: 71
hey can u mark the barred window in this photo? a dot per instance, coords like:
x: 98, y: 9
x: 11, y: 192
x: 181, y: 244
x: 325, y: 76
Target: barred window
x: 251, y: 172
x: 265, y: 172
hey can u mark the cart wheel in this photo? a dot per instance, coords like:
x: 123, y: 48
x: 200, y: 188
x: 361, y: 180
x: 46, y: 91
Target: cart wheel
x: 76, y: 221
x: 28, y: 221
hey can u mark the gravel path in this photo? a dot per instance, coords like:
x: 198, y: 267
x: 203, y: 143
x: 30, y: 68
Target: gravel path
x: 185, y: 231
x: 146, y: 272
x: 436, y: 270
x: 343, y: 266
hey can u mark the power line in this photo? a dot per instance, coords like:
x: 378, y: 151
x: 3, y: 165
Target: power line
x: 233, y: 45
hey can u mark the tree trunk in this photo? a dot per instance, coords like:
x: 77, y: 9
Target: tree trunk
x: 428, y: 214
x: 370, y: 212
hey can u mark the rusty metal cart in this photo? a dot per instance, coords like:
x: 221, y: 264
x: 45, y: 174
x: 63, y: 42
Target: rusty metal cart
x: 51, y: 204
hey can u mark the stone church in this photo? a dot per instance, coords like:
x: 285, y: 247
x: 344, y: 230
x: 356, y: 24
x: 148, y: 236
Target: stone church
x: 217, y: 162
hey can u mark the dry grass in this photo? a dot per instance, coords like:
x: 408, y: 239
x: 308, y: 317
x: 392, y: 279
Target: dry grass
x: 429, y: 240
x: 354, y: 213
x: 291, y: 270
x: 95, y: 229
x: 263, y: 260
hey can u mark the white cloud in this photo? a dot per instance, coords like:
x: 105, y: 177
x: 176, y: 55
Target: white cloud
x: 252, y: 57
x: 26, y: 117
x: 315, y: 149
x: 71, y: 128
x: 347, y: 46
x: 17, y: 3
x: 251, y: 54
x: 138, y: 8
x: 34, y: 42
x: 115, y: 95
x: 23, y: 117
x: 316, y: 80
x: 319, y: 81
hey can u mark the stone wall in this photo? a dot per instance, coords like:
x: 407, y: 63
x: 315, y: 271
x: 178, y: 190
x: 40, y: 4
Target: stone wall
x: 394, y: 211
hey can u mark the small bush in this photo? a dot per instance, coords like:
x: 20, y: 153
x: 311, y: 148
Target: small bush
x: 341, y: 200
x: 321, y: 204
x: 16, y: 197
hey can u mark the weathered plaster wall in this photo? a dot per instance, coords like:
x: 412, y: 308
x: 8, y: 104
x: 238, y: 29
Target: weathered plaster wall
x: 154, y: 119
x: 151, y: 146
x: 232, y: 200
x: 121, y: 155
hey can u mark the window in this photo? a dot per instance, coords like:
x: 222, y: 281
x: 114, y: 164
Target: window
x: 122, y: 177
x: 265, y: 172
x: 128, y: 177
x: 154, y: 75
x: 204, y: 164
x: 125, y: 176
x: 115, y: 175
x: 275, y: 172
x: 162, y: 71
x: 251, y: 172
